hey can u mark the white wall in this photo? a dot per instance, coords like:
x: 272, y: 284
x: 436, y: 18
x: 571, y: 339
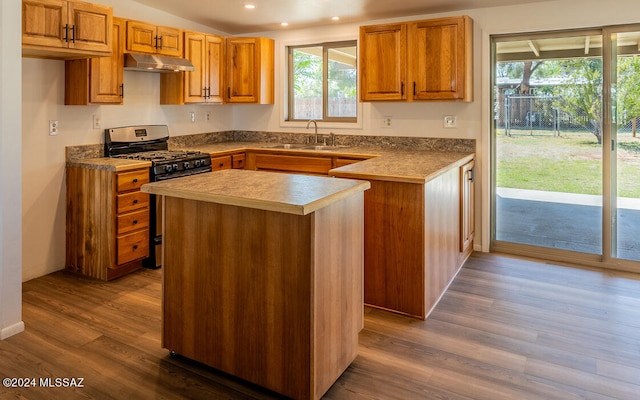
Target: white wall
x: 10, y: 178
x: 43, y: 81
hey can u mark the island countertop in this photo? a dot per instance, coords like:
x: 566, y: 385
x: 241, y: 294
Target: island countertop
x: 271, y: 191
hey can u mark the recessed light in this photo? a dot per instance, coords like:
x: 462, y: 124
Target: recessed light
x: 250, y: 6
x: 335, y: 18
x: 284, y: 24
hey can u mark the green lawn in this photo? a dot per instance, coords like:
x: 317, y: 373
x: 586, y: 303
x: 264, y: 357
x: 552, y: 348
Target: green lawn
x: 570, y: 163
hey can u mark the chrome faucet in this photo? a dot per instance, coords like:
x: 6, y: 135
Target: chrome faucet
x: 315, y: 129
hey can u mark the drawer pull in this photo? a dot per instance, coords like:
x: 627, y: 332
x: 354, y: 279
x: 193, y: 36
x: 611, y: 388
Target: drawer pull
x: 135, y: 247
x: 221, y: 165
x: 135, y: 201
x: 135, y: 180
x: 135, y: 221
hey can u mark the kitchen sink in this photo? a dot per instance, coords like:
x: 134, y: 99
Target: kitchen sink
x: 289, y: 146
x: 322, y: 147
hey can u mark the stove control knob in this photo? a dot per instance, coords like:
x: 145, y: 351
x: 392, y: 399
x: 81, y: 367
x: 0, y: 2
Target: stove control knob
x: 197, y: 163
x: 186, y: 165
x: 174, y: 167
x: 168, y: 168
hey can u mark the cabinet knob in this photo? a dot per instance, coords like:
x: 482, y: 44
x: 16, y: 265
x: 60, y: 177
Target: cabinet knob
x: 135, y: 247
x: 135, y: 221
x: 135, y: 180
x: 135, y: 201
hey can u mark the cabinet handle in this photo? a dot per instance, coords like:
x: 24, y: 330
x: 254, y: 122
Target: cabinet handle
x: 159, y: 41
x: 135, y: 180
x: 401, y: 88
x: 66, y: 33
x: 472, y: 175
x: 122, y: 91
x: 135, y: 247
x: 221, y: 165
x: 73, y: 34
x: 414, y: 88
x: 135, y: 201
x: 228, y: 93
x: 135, y: 221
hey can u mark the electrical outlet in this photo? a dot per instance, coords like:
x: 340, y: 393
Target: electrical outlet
x: 53, y: 127
x: 192, y: 115
x: 386, y: 122
x: 97, y: 122
x: 450, y: 121
x: 207, y: 116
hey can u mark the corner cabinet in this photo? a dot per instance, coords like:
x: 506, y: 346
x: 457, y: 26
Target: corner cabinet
x: 203, y: 85
x: 250, y: 64
x: 107, y: 228
x: 98, y: 80
x: 148, y: 38
x: 65, y: 29
x: 428, y: 60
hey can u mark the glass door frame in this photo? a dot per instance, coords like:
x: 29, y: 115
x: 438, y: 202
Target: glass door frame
x: 609, y: 157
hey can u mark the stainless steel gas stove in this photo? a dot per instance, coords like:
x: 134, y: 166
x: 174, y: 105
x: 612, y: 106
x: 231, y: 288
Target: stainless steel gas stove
x: 151, y: 143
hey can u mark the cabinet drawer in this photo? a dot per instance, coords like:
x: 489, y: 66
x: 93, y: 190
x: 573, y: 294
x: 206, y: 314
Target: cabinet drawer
x: 131, y: 201
x: 219, y: 163
x: 312, y: 165
x: 238, y: 161
x: 127, y: 181
x: 133, y: 246
x: 132, y: 221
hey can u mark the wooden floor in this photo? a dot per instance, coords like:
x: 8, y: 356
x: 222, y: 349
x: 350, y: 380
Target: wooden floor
x: 506, y: 329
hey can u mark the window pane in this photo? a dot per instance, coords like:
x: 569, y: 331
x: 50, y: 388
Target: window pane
x: 342, y: 91
x: 307, y: 83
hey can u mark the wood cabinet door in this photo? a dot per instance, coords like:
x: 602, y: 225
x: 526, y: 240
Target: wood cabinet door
x: 107, y: 73
x: 195, y: 82
x: 169, y: 41
x: 214, y: 49
x: 141, y: 37
x: 242, y: 70
x: 43, y: 22
x: 383, y: 62
x: 91, y: 26
x: 440, y: 52
x: 467, y: 205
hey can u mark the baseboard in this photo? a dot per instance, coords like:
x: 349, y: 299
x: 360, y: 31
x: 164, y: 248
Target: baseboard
x: 11, y: 330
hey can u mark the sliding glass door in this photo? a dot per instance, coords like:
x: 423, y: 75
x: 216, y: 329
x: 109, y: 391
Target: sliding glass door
x: 565, y: 154
x: 625, y: 143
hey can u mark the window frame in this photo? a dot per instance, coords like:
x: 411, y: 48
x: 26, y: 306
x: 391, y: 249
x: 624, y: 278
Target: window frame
x: 326, y: 45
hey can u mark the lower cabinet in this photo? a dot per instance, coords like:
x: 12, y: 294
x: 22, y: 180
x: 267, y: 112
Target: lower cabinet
x: 236, y: 161
x: 107, y: 221
x: 412, y: 242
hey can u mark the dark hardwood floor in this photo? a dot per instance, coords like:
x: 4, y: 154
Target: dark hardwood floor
x: 507, y: 328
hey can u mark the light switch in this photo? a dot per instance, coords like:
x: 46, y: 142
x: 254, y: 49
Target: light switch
x: 450, y: 121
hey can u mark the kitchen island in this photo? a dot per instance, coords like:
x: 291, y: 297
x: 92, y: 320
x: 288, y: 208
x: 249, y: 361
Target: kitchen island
x: 263, y: 275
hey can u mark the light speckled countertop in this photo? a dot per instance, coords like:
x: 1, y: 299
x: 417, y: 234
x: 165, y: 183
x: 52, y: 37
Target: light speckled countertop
x: 109, y: 164
x: 271, y: 191
x: 418, y: 166
x: 387, y: 165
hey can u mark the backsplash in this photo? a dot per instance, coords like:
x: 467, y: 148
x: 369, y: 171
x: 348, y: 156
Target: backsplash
x: 387, y: 142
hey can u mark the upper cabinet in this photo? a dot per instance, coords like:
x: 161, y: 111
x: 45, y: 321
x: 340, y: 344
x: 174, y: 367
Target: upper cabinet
x: 148, y: 38
x: 203, y: 85
x: 249, y: 70
x: 418, y: 60
x: 97, y: 80
x: 65, y: 29
x: 383, y: 62
x: 227, y: 70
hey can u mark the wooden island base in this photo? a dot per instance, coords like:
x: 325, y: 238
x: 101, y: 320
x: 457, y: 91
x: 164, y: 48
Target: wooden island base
x: 271, y: 297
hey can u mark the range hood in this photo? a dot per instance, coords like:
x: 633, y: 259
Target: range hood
x: 156, y: 63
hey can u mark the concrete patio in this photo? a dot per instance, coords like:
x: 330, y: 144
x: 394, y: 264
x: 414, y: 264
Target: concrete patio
x: 564, y: 221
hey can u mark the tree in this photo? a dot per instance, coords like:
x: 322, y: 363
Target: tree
x: 628, y: 90
x: 581, y: 93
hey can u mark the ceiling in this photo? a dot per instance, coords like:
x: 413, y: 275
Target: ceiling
x: 230, y: 16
